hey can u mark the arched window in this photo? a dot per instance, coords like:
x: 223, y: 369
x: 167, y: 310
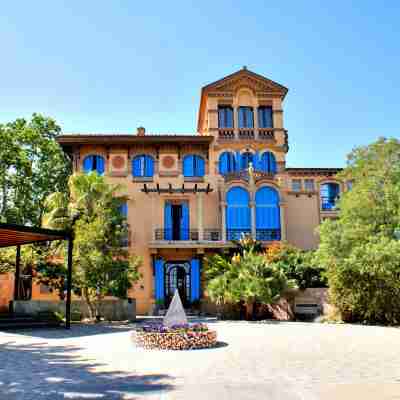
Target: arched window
x: 143, y: 166
x: 238, y: 220
x: 268, y: 162
x: 227, y: 163
x: 246, y: 159
x: 93, y: 163
x: 329, y: 193
x: 193, y: 166
x: 268, y: 221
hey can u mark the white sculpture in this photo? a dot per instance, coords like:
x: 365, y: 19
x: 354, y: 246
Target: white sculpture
x: 175, y: 314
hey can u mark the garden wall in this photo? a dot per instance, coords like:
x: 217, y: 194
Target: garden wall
x: 111, y: 310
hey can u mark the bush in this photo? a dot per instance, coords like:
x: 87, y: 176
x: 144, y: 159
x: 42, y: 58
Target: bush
x: 297, y: 264
x: 365, y: 286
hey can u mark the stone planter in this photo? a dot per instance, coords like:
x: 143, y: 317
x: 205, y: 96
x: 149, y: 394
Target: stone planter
x: 175, y: 340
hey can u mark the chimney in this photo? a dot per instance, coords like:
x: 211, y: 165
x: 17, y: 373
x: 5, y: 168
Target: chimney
x: 141, y: 131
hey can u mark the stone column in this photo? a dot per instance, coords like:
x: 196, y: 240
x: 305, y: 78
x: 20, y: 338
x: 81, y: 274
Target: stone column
x: 235, y: 122
x: 200, y: 225
x: 253, y: 219
x: 223, y: 220
x: 283, y: 220
x: 255, y: 113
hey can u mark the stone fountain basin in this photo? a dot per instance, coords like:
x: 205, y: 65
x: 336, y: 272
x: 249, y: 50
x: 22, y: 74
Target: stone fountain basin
x: 175, y: 340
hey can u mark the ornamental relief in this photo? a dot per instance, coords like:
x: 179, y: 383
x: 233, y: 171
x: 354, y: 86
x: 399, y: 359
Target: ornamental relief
x: 235, y: 84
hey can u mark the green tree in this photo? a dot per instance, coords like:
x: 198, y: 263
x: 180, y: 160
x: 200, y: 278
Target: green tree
x: 246, y: 278
x: 92, y: 210
x: 360, y: 249
x: 32, y: 165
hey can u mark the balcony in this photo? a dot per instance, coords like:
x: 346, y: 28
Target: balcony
x: 266, y: 134
x: 171, y: 234
x: 226, y: 134
x: 246, y: 133
x: 268, y: 235
x: 237, y: 234
x: 211, y: 235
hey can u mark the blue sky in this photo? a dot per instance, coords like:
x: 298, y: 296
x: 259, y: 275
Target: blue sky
x: 110, y: 66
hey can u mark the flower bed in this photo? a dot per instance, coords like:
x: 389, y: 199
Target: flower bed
x: 177, y: 337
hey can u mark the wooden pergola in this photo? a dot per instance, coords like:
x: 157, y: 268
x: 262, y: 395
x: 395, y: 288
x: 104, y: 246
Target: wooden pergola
x: 18, y: 235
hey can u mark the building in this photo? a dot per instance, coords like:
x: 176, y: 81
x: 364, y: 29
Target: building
x: 192, y: 195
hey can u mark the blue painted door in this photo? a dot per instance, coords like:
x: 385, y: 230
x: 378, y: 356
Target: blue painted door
x: 238, y: 218
x: 168, y: 221
x: 184, y: 229
x: 195, y: 279
x: 159, y: 279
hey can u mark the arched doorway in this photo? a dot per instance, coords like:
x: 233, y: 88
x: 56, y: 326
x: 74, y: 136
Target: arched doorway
x: 238, y: 218
x: 177, y: 276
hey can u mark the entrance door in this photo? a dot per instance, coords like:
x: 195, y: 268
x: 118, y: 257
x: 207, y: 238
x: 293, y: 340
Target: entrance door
x: 177, y: 277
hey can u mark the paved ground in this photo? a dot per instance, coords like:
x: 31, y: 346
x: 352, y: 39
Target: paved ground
x: 285, y: 361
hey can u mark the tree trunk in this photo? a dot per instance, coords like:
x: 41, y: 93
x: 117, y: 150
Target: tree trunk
x: 91, y: 307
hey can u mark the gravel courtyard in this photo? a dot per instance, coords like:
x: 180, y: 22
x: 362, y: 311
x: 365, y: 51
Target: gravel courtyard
x: 253, y: 361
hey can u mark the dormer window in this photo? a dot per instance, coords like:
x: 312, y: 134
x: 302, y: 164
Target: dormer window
x: 265, y: 117
x: 225, y: 117
x: 245, y: 117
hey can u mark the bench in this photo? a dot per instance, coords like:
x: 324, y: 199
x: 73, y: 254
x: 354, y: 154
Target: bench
x: 307, y: 309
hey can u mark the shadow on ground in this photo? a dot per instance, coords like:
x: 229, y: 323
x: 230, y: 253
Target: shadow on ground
x: 37, y: 371
x: 77, y: 330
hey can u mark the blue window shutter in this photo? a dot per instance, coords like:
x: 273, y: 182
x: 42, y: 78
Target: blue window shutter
x: 272, y: 160
x: 221, y: 117
x: 238, y: 217
x: 229, y: 118
x: 223, y: 163
x: 184, y: 234
x: 200, y: 166
x: 265, y: 117
x: 168, y: 221
x: 231, y: 162
x: 88, y: 164
x: 241, y: 112
x: 100, y: 165
x: 148, y: 166
x: 267, y: 209
x: 159, y: 279
x: 256, y: 161
x: 264, y: 162
x: 195, y: 279
x: 124, y: 209
x: 238, y: 160
x: 188, y: 169
x: 249, y: 117
x: 136, y: 166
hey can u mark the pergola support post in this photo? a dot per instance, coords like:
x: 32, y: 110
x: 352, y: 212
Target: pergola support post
x: 69, y: 284
x: 17, y: 273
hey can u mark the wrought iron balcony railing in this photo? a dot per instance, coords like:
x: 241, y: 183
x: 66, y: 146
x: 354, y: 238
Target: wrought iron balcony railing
x: 268, y: 235
x: 212, y: 235
x: 237, y: 234
x: 181, y: 234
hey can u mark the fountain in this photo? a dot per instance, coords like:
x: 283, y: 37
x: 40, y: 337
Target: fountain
x: 175, y: 333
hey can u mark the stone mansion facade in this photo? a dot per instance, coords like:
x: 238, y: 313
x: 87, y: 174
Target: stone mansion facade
x: 192, y: 195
